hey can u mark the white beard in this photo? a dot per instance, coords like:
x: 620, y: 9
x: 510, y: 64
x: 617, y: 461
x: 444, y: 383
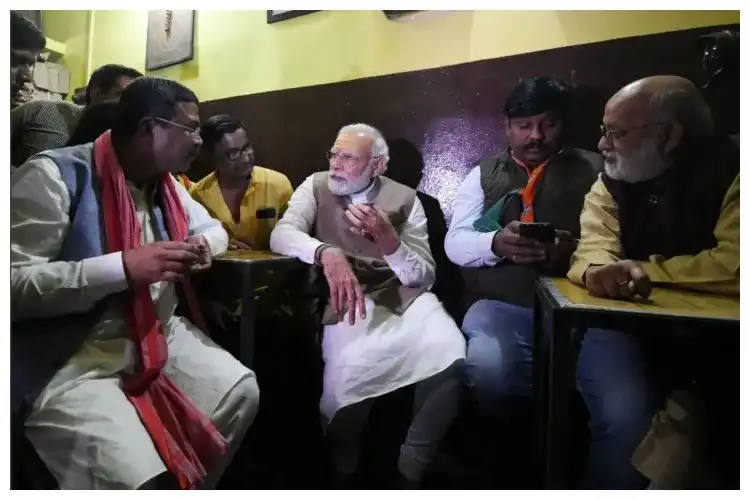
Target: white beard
x: 644, y: 165
x: 347, y: 187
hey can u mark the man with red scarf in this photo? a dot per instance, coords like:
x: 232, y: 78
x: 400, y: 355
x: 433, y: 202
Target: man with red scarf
x: 114, y: 389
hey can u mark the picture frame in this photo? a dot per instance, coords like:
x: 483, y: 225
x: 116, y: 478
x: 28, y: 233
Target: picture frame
x: 395, y: 14
x: 274, y: 16
x: 170, y: 38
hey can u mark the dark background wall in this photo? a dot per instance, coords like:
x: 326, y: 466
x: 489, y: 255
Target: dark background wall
x: 444, y: 120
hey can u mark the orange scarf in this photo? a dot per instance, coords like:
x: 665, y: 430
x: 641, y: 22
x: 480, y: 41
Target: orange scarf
x: 186, y: 440
x: 184, y: 180
x: 529, y: 191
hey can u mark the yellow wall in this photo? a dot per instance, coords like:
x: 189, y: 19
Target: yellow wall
x: 71, y: 28
x: 238, y: 53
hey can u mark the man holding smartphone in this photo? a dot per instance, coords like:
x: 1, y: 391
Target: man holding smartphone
x: 517, y: 215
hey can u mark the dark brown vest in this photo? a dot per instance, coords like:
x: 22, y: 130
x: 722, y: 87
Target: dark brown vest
x: 375, y: 276
x: 675, y: 213
x: 558, y: 201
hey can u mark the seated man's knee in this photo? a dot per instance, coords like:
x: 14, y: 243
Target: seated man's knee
x: 248, y: 395
x: 492, y: 352
x: 238, y: 408
x: 479, y: 317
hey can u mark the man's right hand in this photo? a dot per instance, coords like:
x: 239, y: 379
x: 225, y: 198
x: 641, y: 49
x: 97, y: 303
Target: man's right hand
x: 510, y: 244
x: 622, y: 280
x: 346, y: 293
x: 238, y: 245
x: 160, y: 261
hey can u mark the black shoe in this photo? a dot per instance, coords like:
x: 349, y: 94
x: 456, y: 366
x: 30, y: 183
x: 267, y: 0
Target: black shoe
x: 344, y: 481
x: 406, y: 484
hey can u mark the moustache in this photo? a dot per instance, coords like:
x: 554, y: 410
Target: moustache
x: 534, y: 145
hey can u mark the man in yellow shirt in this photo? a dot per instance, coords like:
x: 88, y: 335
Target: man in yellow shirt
x: 248, y: 200
x: 666, y: 211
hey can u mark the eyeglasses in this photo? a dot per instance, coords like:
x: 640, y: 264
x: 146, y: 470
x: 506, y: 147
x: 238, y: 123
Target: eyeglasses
x: 614, y: 133
x: 346, y: 157
x: 236, y: 154
x: 194, y: 132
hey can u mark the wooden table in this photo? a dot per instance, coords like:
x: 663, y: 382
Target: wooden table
x: 569, y: 310
x: 247, y: 267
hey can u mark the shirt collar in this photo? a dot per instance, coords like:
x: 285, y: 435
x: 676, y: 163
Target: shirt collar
x: 367, y: 195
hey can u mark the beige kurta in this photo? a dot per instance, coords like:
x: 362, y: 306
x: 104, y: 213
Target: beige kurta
x: 82, y: 425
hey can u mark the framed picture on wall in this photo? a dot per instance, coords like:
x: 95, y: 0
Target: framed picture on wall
x: 170, y: 36
x: 395, y: 14
x: 274, y: 16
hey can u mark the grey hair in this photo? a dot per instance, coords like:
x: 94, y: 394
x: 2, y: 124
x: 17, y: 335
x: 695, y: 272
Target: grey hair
x: 685, y: 105
x: 379, y: 146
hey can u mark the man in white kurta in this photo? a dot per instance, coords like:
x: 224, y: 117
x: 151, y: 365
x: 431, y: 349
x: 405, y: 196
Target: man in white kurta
x: 82, y: 425
x: 379, y: 351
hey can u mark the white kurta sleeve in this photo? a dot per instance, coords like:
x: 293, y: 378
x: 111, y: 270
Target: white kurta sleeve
x: 200, y: 222
x: 291, y: 236
x: 38, y: 224
x: 464, y: 245
x: 412, y: 261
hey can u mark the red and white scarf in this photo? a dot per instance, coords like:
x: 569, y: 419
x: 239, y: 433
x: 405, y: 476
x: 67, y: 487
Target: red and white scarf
x: 187, y: 441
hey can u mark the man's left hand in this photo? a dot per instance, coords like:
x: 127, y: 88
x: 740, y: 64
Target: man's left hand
x: 204, y: 261
x: 373, y: 225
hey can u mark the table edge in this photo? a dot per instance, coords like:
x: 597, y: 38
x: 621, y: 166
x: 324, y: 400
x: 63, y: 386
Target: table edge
x: 563, y: 302
x: 283, y: 259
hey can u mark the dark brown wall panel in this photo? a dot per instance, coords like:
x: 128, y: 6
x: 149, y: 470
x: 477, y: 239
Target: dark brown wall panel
x: 451, y: 116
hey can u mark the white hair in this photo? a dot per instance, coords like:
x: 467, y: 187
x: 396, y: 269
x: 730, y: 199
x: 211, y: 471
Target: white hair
x: 685, y: 105
x: 646, y: 163
x: 379, y: 146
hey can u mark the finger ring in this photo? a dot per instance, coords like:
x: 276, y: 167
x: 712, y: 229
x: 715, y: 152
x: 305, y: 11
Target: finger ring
x: 623, y: 283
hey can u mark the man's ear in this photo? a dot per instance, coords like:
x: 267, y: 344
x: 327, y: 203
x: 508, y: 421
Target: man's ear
x: 673, y: 137
x: 145, y: 128
x: 380, y: 167
x: 93, y: 93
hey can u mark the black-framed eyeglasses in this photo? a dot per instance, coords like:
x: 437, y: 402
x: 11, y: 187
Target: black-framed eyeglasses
x: 608, y: 132
x: 194, y: 132
x: 236, y: 154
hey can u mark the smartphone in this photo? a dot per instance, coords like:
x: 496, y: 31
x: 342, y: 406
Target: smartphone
x: 265, y: 213
x: 543, y: 232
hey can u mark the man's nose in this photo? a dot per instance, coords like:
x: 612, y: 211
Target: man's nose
x: 26, y: 73
x: 536, y: 133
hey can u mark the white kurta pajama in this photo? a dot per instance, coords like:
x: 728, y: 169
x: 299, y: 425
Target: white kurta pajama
x: 384, y: 351
x: 82, y: 425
